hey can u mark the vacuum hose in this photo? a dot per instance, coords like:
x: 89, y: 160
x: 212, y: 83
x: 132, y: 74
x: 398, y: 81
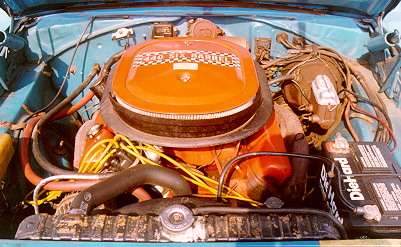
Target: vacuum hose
x: 126, y: 180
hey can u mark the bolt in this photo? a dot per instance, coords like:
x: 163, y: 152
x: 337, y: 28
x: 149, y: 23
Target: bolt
x: 185, y: 77
x: 94, y: 130
x: 176, y: 218
x: 73, y: 69
x: 87, y: 196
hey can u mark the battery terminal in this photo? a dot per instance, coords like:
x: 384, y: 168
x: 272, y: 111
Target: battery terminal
x: 369, y: 212
x: 341, y: 144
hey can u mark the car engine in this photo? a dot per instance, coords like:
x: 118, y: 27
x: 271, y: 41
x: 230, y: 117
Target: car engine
x: 199, y: 139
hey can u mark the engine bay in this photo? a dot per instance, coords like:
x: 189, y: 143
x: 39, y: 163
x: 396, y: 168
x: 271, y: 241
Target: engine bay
x: 202, y: 136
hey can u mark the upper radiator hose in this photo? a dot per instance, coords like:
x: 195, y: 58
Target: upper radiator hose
x: 128, y: 179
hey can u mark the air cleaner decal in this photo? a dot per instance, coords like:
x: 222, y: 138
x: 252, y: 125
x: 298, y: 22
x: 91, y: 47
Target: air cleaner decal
x: 187, y: 56
x: 185, y: 66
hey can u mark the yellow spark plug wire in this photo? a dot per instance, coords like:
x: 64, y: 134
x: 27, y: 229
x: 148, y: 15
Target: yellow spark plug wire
x: 85, y: 163
x: 105, y: 149
x: 198, y: 180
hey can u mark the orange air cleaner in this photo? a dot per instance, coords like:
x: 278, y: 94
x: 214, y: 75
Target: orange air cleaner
x: 185, y: 87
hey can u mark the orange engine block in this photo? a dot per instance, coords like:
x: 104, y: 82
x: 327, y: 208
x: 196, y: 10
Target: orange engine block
x: 204, y: 100
x: 253, y: 177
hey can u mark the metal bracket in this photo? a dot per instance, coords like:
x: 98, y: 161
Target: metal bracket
x: 122, y: 33
x: 392, y: 76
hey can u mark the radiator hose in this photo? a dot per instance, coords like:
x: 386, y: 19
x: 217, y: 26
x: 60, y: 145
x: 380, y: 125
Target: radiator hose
x: 41, y: 159
x: 125, y: 180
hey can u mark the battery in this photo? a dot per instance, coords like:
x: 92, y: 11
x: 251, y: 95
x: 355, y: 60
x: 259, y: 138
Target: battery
x: 368, y: 179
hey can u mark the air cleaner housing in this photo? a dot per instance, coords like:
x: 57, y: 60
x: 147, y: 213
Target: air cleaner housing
x: 188, y: 88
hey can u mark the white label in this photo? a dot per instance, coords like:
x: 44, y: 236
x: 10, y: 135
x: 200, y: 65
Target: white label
x: 390, y: 198
x: 324, y: 91
x: 371, y: 157
x: 185, y: 66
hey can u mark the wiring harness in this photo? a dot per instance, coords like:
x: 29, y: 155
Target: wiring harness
x: 301, y: 54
